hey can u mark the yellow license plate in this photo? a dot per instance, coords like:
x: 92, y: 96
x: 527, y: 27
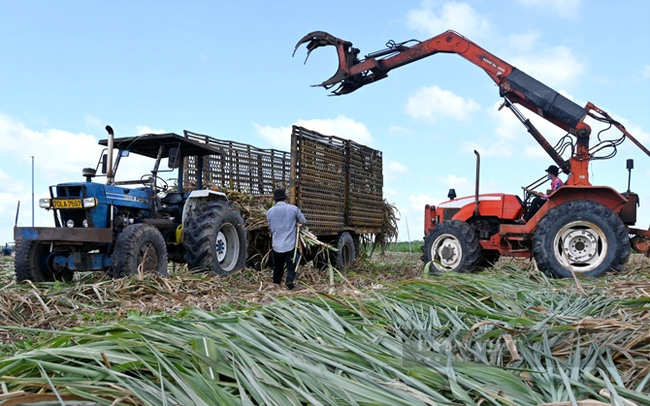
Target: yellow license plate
x: 67, y: 204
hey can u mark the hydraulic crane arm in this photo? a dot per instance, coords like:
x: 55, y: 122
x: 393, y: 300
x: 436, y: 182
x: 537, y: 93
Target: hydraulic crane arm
x: 515, y: 86
x: 520, y: 88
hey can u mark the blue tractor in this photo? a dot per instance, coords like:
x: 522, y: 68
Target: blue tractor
x: 135, y: 226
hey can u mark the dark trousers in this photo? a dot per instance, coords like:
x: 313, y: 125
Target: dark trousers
x: 535, y: 205
x: 280, y: 259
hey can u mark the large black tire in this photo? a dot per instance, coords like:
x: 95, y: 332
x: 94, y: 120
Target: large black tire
x: 176, y: 253
x: 347, y: 251
x: 215, y: 239
x: 139, y: 246
x: 590, y: 235
x: 32, y: 263
x: 488, y: 259
x: 452, y: 246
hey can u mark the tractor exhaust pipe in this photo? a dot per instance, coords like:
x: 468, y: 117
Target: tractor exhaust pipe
x: 109, y: 169
x: 478, y: 172
x: 629, y: 165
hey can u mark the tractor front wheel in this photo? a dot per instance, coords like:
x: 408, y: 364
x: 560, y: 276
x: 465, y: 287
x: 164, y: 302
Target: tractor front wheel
x: 33, y: 262
x: 140, y: 248
x: 215, y: 238
x: 582, y: 236
x: 452, y: 246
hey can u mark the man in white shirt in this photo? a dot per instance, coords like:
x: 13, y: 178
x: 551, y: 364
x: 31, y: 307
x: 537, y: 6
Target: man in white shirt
x: 282, y: 219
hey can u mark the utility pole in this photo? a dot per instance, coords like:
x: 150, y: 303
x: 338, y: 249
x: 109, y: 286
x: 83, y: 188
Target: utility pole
x: 32, y: 190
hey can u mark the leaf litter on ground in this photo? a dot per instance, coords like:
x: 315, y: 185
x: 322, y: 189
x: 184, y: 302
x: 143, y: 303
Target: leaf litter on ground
x: 379, y: 335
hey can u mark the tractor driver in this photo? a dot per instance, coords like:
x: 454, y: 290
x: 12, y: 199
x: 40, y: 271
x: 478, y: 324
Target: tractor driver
x: 541, y: 198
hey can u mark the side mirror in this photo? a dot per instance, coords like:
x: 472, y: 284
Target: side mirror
x: 630, y: 164
x: 174, y: 159
x: 104, y: 163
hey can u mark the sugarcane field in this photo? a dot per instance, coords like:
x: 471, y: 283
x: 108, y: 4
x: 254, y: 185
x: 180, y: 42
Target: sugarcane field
x: 379, y: 330
x: 296, y: 203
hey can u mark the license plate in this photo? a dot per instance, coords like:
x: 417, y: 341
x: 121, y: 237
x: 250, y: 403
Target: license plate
x: 67, y: 204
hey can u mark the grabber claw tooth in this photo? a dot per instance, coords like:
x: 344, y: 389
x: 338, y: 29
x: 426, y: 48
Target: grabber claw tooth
x: 347, y: 59
x: 315, y: 39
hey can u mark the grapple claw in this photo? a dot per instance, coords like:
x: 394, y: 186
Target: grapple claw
x: 315, y: 39
x: 347, y: 58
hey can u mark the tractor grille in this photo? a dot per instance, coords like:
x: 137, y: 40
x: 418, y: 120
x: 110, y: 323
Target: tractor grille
x: 61, y: 216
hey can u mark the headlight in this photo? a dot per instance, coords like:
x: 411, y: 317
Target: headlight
x: 85, y: 223
x: 69, y: 223
x: 45, y: 203
x: 89, y: 202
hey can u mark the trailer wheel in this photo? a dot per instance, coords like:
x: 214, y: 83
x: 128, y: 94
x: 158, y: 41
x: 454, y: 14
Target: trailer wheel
x: 591, y: 236
x: 347, y: 251
x: 140, y: 247
x: 215, y: 238
x: 452, y: 246
x: 32, y: 263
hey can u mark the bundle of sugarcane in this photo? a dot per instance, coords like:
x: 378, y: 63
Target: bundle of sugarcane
x: 389, y: 229
x: 254, y: 207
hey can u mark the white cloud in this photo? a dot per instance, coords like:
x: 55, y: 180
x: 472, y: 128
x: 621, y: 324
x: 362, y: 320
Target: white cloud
x: 645, y: 71
x: 56, y: 152
x: 563, y: 8
x: 341, y: 126
x: 391, y: 192
x: 499, y: 148
x: 279, y: 137
x: 143, y: 129
x: 535, y: 152
x: 419, y: 201
x: 635, y: 130
x: 451, y: 15
x: 93, y: 121
x: 9, y: 183
x: 508, y: 127
x: 523, y: 42
x: 512, y: 137
x: 430, y: 103
x: 396, y: 168
x: 396, y: 129
x: 455, y: 182
x: 556, y: 65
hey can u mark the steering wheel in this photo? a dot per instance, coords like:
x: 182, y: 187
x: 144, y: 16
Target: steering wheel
x: 529, y: 195
x: 160, y: 184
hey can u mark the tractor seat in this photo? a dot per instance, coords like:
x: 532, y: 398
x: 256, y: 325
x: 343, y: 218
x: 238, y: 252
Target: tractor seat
x: 172, y: 198
x: 521, y: 202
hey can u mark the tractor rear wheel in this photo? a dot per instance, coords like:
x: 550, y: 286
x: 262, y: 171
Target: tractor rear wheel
x: 33, y: 263
x: 215, y: 238
x: 452, y: 246
x: 583, y: 236
x: 140, y: 248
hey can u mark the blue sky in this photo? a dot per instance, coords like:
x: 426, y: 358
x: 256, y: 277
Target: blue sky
x: 224, y: 68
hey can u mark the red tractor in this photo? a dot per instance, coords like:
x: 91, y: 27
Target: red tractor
x: 581, y: 229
